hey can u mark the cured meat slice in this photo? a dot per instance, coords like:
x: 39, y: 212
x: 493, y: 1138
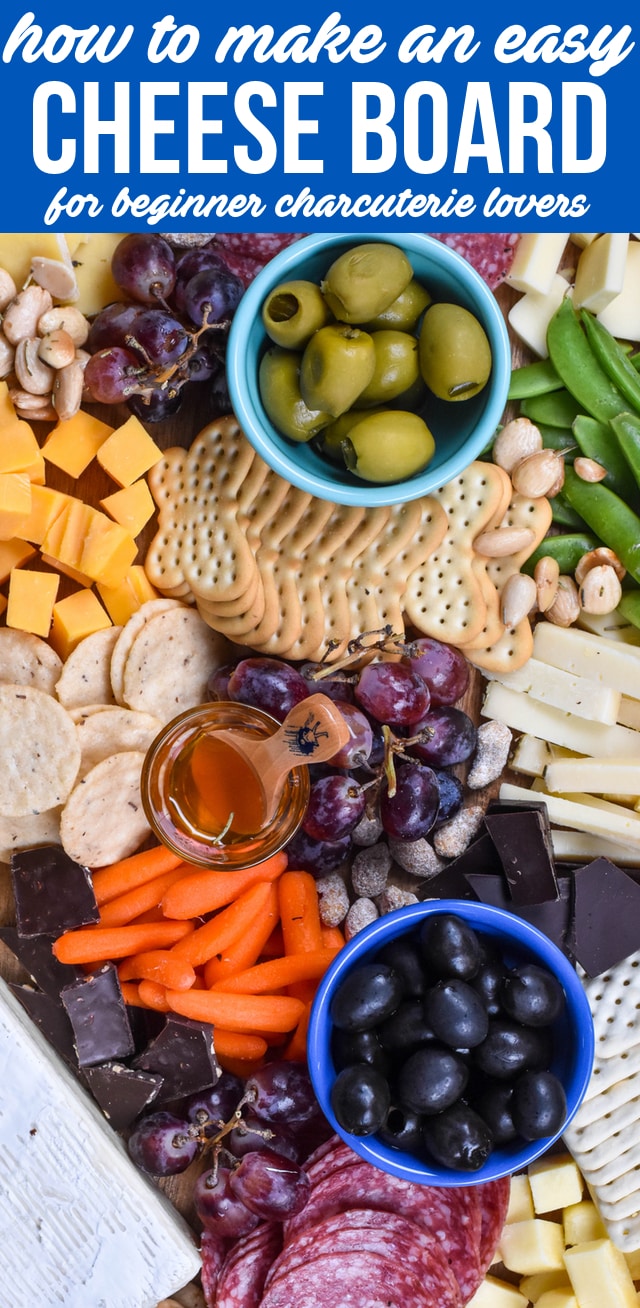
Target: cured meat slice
x: 494, y: 1202
x: 358, y: 1280
x: 243, y: 1273
x: 247, y: 252
x: 335, y: 1157
x: 490, y: 253
x: 212, y: 1251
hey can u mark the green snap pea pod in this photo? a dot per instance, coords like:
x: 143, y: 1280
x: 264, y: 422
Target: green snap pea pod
x: 629, y: 607
x: 555, y: 409
x: 599, y: 441
x: 556, y: 438
x: 575, y: 362
x: 564, y: 516
x: 567, y: 551
x: 613, y: 359
x: 627, y: 430
x: 608, y: 517
x: 533, y: 379
x: 635, y: 360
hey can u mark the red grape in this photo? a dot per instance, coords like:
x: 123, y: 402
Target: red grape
x: 453, y: 737
x: 336, y: 804
x: 112, y: 375
x: 317, y: 856
x: 162, y: 339
x: 112, y: 326
x: 216, y: 1105
x: 212, y: 296
x: 143, y: 265
x: 443, y: 667
x: 412, y: 811
x: 282, y: 1092
x: 252, y: 1134
x: 360, y: 743
x: 270, y: 1185
x: 161, y: 1144
x: 267, y: 684
x: 393, y: 693
x: 157, y: 404
x: 218, y: 1207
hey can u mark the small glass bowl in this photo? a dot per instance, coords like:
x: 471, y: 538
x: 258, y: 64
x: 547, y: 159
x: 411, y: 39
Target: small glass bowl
x: 159, y: 780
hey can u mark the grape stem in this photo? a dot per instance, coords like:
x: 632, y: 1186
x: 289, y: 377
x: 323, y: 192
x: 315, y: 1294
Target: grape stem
x: 213, y: 1143
x: 387, y: 642
x: 394, y: 745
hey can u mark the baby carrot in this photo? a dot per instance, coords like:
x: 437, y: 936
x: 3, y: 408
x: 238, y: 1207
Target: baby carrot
x: 274, y: 946
x: 246, y: 949
x: 236, y: 1044
x: 277, y: 973
x: 204, y: 892
x: 154, y: 995
x: 225, y: 927
x: 296, y: 1048
x: 124, y: 908
x: 239, y: 1067
x: 246, y: 1013
x: 158, y: 965
x: 95, y: 944
x: 332, y: 938
x: 299, y: 912
x: 127, y: 873
x: 130, y: 993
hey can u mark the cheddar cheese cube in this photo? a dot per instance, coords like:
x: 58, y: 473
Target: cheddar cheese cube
x: 558, y: 1299
x: 599, y: 1275
x: 128, y: 453
x: 74, y: 442
x: 7, y: 410
x: 46, y: 506
x: 533, y: 1287
x: 13, y: 553
x: 19, y: 450
x: 107, y: 552
x: 133, y: 591
x: 65, y: 537
x: 132, y: 507
x: 520, y: 1200
x: 75, y: 617
x: 31, y: 599
x: 555, y: 1183
x: 532, y: 1246
x: 74, y: 573
x: 15, y: 503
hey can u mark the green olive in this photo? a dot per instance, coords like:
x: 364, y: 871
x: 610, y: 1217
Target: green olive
x: 293, y: 312
x: 455, y: 355
x: 388, y: 446
x: 336, y: 365
x: 403, y: 314
x: 329, y: 440
x: 365, y: 280
x: 395, y: 371
x: 278, y: 380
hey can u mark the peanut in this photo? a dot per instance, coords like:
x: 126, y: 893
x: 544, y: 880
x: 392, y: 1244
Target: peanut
x: 67, y: 390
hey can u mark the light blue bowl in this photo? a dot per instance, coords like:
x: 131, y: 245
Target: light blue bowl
x: 517, y: 942
x: 461, y: 430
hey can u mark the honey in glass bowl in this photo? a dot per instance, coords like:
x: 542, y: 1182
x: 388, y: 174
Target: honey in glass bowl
x: 201, y: 798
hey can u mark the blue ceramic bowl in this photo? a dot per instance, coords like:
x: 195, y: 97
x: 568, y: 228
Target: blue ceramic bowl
x: 461, y: 431
x: 517, y: 942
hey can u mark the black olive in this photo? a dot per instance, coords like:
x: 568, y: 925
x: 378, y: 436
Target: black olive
x: 510, y: 1049
x: 407, y: 1029
x: 539, y: 1105
x: 493, y: 1103
x: 532, y: 995
x: 458, y: 1138
x: 456, y: 1013
x: 487, y: 982
x: 404, y: 957
x: 450, y: 947
x: 359, y: 1047
x: 431, y: 1079
x: 360, y: 1099
x: 402, y: 1130
x: 367, y: 995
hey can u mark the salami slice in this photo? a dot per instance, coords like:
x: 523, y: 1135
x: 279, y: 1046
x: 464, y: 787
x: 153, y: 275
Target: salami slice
x: 213, y: 1250
x: 320, y: 1165
x: 242, y: 1276
x: 490, y: 253
x: 494, y: 1202
x: 246, y: 253
x: 357, y: 1280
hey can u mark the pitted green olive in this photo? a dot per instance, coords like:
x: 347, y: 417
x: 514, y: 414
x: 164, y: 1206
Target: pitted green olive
x: 278, y: 379
x: 336, y: 366
x: 293, y: 312
x: 396, y: 368
x: 403, y: 314
x: 365, y: 280
x: 455, y: 355
x: 388, y: 446
x: 329, y: 440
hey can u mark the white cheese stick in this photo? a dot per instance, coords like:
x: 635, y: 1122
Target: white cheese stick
x: 629, y: 712
x: 581, y: 847
x: 522, y: 713
x: 531, y: 756
x: 584, y: 817
x: 563, y: 690
x: 597, y: 776
x: 606, y: 661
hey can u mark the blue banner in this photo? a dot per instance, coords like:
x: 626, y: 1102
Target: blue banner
x: 266, y: 116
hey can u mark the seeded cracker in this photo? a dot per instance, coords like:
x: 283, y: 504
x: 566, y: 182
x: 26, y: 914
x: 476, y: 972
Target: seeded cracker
x: 114, y: 731
x: 26, y: 660
x: 128, y: 633
x: 39, y: 751
x: 32, y: 829
x: 103, y: 819
x: 86, y: 675
x: 170, y: 662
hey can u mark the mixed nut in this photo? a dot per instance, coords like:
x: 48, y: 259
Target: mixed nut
x: 41, y: 354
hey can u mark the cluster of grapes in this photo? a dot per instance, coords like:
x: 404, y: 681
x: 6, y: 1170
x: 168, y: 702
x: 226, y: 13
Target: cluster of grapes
x: 257, y: 1135
x: 171, y: 331
x: 405, y: 733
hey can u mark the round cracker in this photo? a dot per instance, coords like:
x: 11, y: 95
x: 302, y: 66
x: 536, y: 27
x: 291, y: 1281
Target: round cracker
x: 114, y: 731
x: 26, y: 660
x: 128, y: 633
x: 170, y: 662
x: 86, y: 675
x: 103, y: 819
x: 32, y: 829
x: 39, y: 751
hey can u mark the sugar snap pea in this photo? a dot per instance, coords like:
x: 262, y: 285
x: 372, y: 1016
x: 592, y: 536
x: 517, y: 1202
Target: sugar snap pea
x: 600, y: 441
x: 626, y: 427
x: 608, y: 517
x: 567, y: 550
x: 613, y: 359
x: 576, y: 364
x: 556, y: 438
x: 629, y: 607
x: 564, y: 516
x: 555, y: 409
x: 533, y: 379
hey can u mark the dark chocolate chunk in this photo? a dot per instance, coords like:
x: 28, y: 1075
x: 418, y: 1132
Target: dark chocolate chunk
x: 184, y: 1055
x: 48, y: 1014
x: 53, y: 893
x: 523, y: 844
x: 98, y: 1015
x: 37, y: 957
x: 552, y: 917
x: 122, y: 1093
x: 606, y: 916
x: 451, y: 882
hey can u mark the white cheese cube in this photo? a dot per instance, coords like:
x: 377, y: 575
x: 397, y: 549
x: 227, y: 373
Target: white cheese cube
x: 622, y: 316
x: 555, y: 1182
x: 523, y: 713
x: 530, y: 316
x: 497, y: 1294
x: 542, y: 1282
x: 520, y: 1200
x: 582, y: 1222
x: 535, y: 262
x: 532, y: 1246
x: 558, y: 1299
x: 600, y: 272
x: 600, y: 1276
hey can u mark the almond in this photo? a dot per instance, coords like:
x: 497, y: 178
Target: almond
x: 518, y: 439
x: 502, y: 541
x: 600, y: 591
x: 546, y: 575
x: 565, y: 609
x: 518, y: 598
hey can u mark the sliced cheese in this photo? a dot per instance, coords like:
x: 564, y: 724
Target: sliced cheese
x: 532, y: 1246
x: 19, y: 450
x: 596, y: 776
x: 581, y: 238
x: 542, y: 1282
x: 611, y: 626
x: 585, y: 655
x: 584, y: 817
x: 530, y: 756
x: 536, y: 260
x: 555, y: 1183
x: 47, y: 505
x: 622, y: 316
x: 75, y: 617
x: 600, y: 1276
x: 92, y: 263
x: 600, y: 272
x: 558, y: 1299
x: 31, y: 599
x: 564, y: 690
x: 522, y: 713
x: 530, y: 316
x: 581, y: 847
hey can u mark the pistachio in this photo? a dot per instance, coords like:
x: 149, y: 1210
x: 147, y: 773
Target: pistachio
x: 66, y: 318
x: 601, y: 556
x: 600, y: 591
x: 7, y: 354
x: 57, y: 277
x: 68, y: 385
x: 517, y: 440
x: 546, y: 575
x: 502, y: 541
x: 24, y: 313
x: 539, y: 474
x: 589, y: 470
x: 565, y: 609
x: 57, y: 349
x: 8, y: 289
x: 518, y: 598
x: 32, y: 373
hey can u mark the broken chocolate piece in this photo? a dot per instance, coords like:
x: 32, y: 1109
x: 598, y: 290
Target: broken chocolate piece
x: 53, y: 893
x: 48, y: 1014
x: 37, y: 957
x: 606, y: 916
x: 552, y: 917
x: 184, y: 1055
x: 99, y: 1018
x: 122, y: 1093
x: 523, y: 843
x: 451, y: 883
